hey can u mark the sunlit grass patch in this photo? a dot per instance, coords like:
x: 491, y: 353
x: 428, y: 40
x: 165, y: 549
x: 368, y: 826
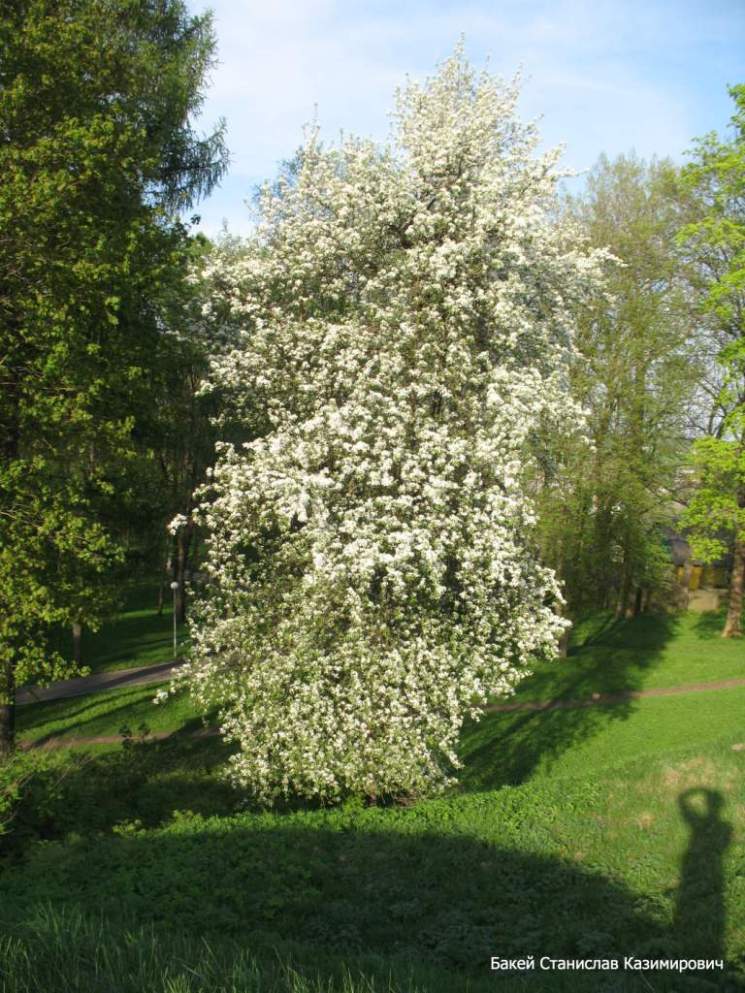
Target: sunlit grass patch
x: 106, y: 713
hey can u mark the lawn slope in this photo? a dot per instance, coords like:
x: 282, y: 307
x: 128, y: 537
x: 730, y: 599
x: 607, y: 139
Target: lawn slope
x: 589, y: 832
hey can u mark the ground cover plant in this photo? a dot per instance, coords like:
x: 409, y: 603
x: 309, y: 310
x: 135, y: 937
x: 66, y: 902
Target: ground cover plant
x: 630, y: 837
x: 644, y: 861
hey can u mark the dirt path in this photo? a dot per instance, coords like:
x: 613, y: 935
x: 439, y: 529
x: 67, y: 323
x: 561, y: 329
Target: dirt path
x: 600, y: 699
x: 99, y: 681
x: 596, y: 700
x: 107, y: 739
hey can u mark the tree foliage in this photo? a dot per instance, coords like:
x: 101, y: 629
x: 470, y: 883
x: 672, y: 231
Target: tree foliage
x: 402, y: 321
x: 635, y: 376
x: 97, y: 153
x: 715, y: 240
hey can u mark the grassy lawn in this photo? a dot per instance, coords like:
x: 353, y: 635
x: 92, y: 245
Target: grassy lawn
x: 509, y: 749
x: 590, y: 832
x: 610, y: 657
x: 136, y: 636
x: 653, y: 651
x: 649, y: 652
x: 150, y: 870
x: 105, y: 713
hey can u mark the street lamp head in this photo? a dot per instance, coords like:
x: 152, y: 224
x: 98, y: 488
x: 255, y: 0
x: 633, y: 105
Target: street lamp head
x: 174, y: 586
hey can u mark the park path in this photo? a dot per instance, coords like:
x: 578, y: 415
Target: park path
x: 600, y: 699
x: 147, y: 675
x: 98, y: 681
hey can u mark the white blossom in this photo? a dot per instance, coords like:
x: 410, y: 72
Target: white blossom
x: 178, y: 522
x: 402, y: 321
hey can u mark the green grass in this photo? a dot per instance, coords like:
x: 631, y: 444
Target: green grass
x: 587, y: 832
x: 71, y: 952
x: 649, y: 652
x: 653, y: 651
x: 509, y: 749
x: 607, y: 657
x: 137, y: 636
x: 104, y: 714
x: 570, y: 867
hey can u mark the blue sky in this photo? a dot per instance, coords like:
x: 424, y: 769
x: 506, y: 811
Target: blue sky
x: 603, y: 75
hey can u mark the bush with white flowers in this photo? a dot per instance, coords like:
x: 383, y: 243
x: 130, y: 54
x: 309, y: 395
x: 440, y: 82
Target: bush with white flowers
x: 402, y: 323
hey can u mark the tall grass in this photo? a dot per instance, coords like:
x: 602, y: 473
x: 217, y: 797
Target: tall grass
x: 64, y: 951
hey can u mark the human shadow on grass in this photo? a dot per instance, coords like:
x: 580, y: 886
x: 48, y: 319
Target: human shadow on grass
x: 506, y: 748
x: 699, y: 911
x: 410, y: 899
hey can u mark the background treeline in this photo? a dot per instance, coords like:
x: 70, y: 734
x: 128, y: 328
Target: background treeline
x: 661, y: 376
x: 607, y: 506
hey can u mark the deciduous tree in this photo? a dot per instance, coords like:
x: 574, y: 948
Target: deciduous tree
x: 403, y: 321
x: 97, y: 156
x: 715, y: 239
x: 604, y: 507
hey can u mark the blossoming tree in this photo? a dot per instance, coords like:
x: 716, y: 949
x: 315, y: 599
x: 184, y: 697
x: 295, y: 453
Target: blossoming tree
x: 402, y: 319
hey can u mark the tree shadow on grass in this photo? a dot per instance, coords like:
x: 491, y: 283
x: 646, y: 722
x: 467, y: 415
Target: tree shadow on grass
x: 46, y: 711
x: 135, y: 638
x: 135, y: 635
x: 84, y: 792
x: 506, y: 748
x: 341, y: 886
x: 592, y: 628
x: 710, y: 624
x: 151, y: 836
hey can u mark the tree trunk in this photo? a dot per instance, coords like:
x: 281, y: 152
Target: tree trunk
x: 10, y: 444
x: 166, y: 577
x: 622, y: 607
x: 733, y: 623
x: 179, y: 599
x: 685, y: 584
x: 7, y: 710
x: 77, y: 638
x: 638, y: 601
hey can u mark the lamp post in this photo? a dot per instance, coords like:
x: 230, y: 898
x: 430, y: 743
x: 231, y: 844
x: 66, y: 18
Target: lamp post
x: 174, y: 587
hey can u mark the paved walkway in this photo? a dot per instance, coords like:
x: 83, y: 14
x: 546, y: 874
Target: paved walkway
x: 83, y: 685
